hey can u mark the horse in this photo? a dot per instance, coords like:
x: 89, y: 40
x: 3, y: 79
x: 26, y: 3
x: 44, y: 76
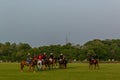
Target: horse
x: 93, y: 64
x: 50, y: 63
x: 31, y: 65
x: 63, y: 63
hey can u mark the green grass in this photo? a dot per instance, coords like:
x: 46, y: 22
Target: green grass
x: 76, y: 71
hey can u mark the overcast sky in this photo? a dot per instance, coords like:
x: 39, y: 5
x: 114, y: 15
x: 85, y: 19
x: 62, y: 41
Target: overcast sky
x: 45, y: 22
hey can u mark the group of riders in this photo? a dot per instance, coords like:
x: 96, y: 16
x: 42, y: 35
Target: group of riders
x: 41, y: 58
x: 44, y: 59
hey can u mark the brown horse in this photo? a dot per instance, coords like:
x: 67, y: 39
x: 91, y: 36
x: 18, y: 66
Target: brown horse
x: 31, y: 65
x: 93, y: 64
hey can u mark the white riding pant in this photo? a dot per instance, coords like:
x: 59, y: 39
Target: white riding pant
x: 39, y: 64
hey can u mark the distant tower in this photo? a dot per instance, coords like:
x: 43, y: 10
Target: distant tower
x: 67, y: 37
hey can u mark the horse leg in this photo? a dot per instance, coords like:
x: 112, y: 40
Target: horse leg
x: 21, y: 67
x: 53, y: 65
x: 46, y: 65
x: 49, y: 66
x: 65, y: 65
x: 30, y: 66
x: 33, y: 68
x: 94, y: 65
x: 59, y: 65
x: 43, y: 67
x: 97, y: 65
x: 90, y: 66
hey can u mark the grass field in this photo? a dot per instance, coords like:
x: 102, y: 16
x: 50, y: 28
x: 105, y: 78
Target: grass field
x: 76, y: 71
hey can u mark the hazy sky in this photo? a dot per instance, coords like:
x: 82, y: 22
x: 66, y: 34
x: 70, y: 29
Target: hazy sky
x: 45, y: 22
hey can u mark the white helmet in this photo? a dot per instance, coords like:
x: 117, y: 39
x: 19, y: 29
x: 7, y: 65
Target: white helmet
x: 28, y: 53
x: 51, y: 53
x: 61, y: 54
x: 44, y: 53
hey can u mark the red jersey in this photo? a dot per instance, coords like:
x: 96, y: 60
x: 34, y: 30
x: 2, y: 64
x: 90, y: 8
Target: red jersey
x: 40, y: 57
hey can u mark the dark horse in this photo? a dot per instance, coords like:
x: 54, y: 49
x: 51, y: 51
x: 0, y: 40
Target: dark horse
x: 93, y: 64
x: 31, y: 65
x: 50, y: 63
x: 63, y: 63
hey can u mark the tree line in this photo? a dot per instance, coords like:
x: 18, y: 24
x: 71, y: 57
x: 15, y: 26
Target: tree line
x: 105, y: 49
